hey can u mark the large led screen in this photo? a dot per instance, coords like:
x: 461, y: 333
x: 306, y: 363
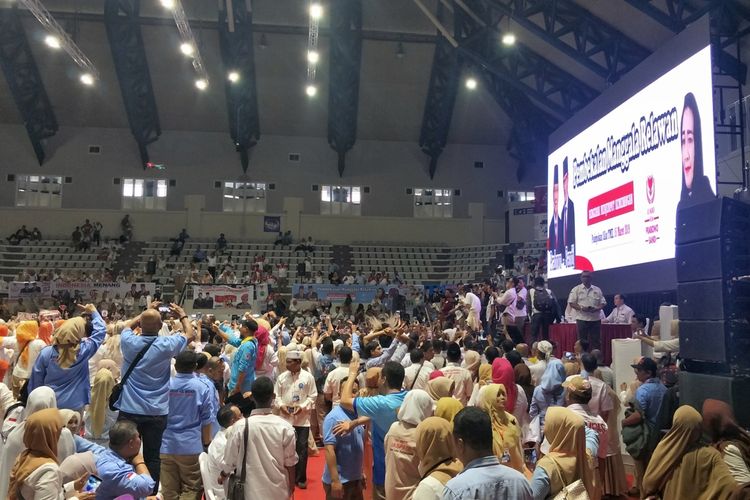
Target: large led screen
x: 615, y: 188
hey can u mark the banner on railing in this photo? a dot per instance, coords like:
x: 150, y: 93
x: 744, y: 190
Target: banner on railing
x: 80, y: 291
x: 222, y: 297
x: 393, y: 297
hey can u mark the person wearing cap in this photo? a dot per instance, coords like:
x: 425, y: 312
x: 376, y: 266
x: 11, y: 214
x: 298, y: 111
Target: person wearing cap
x: 649, y: 395
x: 601, y: 403
x: 188, y: 431
x: 578, y: 392
x: 296, y: 393
x: 588, y: 301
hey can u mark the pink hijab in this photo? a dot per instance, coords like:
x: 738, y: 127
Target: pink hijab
x: 502, y: 373
x: 263, y: 338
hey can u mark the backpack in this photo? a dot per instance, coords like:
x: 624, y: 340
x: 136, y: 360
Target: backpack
x: 326, y: 366
x: 520, y: 303
x: 543, y: 301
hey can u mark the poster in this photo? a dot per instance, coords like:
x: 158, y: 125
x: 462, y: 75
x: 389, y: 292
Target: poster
x: 222, y: 297
x: 79, y: 291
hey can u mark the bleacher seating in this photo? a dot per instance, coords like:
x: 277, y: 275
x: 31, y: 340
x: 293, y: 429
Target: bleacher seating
x: 47, y: 254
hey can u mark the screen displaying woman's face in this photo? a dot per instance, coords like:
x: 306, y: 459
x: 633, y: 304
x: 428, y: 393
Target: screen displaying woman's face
x: 688, y: 147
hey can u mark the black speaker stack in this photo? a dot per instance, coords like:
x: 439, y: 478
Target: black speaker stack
x: 713, y: 293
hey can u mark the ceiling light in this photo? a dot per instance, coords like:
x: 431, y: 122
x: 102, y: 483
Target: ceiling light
x: 509, y: 39
x: 187, y: 48
x: 316, y: 10
x: 400, y: 50
x: 201, y: 84
x: 52, y: 41
x: 167, y: 4
x: 471, y: 83
x: 87, y: 79
x: 313, y: 57
x: 263, y: 41
x: 233, y: 76
x: 311, y: 90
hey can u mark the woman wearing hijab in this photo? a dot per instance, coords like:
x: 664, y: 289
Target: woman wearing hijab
x: 36, y: 474
x: 40, y: 399
x: 440, y: 387
x: 696, y: 187
x: 26, y: 348
x: 99, y: 418
x: 64, y: 366
x: 682, y: 467
x: 567, y: 460
x: 523, y: 380
x: 437, y: 458
x: 401, y: 463
x: 266, y: 360
x: 109, y: 350
x: 549, y: 392
x: 728, y: 437
x: 484, y: 378
x: 502, y: 373
x: 371, y: 384
x: 447, y: 408
x: 614, y: 481
x: 506, y: 433
x: 471, y: 362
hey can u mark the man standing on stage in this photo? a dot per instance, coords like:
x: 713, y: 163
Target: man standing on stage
x: 588, y: 301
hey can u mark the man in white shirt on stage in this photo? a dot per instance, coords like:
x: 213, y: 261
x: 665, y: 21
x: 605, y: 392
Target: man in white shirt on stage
x: 588, y: 301
x: 621, y: 314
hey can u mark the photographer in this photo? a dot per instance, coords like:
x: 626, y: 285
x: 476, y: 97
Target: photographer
x: 145, y: 394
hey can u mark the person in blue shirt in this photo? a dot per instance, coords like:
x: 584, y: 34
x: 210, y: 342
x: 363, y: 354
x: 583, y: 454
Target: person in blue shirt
x: 121, y: 468
x: 382, y: 410
x: 243, y: 365
x: 483, y: 476
x: 64, y: 366
x: 188, y: 425
x: 343, y: 476
x: 145, y: 394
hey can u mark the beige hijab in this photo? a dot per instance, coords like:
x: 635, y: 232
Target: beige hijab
x: 441, y: 387
x: 40, y: 438
x: 100, y: 392
x: 435, y: 450
x: 67, y: 339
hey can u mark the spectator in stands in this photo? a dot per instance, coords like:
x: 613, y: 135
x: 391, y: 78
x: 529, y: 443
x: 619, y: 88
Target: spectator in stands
x: 199, y: 255
x: 221, y: 243
x: 76, y: 237
x: 482, y: 475
x: 588, y: 300
x: 21, y: 234
x: 145, y: 395
x: 36, y: 234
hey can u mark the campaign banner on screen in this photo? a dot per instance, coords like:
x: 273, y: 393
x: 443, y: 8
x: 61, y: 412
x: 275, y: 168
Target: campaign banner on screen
x: 222, y: 297
x: 614, y: 189
x: 82, y: 291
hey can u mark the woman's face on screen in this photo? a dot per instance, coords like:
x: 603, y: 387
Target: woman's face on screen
x: 688, y: 147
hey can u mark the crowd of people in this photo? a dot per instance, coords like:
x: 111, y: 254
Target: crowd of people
x: 449, y: 407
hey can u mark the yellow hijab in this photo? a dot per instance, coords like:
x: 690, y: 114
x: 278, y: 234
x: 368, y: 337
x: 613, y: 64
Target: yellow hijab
x: 67, y: 339
x: 506, y: 433
x: 100, y: 392
x: 567, y: 460
x: 435, y: 450
x: 440, y: 387
x: 40, y: 438
x: 682, y: 466
x: 485, y: 374
x: 447, y: 408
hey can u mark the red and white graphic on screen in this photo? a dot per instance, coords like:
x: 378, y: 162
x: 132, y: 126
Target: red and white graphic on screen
x: 650, y: 189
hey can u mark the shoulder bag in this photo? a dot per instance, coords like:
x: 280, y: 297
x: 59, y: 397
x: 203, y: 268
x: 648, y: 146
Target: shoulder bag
x: 236, y: 485
x: 117, y: 389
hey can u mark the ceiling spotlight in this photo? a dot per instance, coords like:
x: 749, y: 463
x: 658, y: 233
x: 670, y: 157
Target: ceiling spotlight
x: 509, y: 39
x: 233, y: 76
x: 471, y: 83
x: 187, y: 48
x: 313, y: 57
x: 87, y: 79
x: 167, y: 4
x: 201, y: 84
x: 52, y: 41
x: 316, y: 10
x: 311, y: 90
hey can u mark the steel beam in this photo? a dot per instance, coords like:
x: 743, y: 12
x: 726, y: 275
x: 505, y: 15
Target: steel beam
x: 346, y: 59
x: 121, y: 18
x: 441, y: 99
x: 237, y: 53
x: 24, y: 81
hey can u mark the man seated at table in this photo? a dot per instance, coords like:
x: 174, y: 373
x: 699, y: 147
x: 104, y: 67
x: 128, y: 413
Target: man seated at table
x: 621, y: 314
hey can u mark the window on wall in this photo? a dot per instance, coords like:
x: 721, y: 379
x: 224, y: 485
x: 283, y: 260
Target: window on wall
x: 39, y: 191
x: 245, y: 197
x: 340, y: 200
x: 433, y: 202
x: 520, y: 195
x: 144, y: 194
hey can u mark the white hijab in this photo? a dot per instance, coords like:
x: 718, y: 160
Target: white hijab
x: 40, y: 398
x: 416, y: 407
